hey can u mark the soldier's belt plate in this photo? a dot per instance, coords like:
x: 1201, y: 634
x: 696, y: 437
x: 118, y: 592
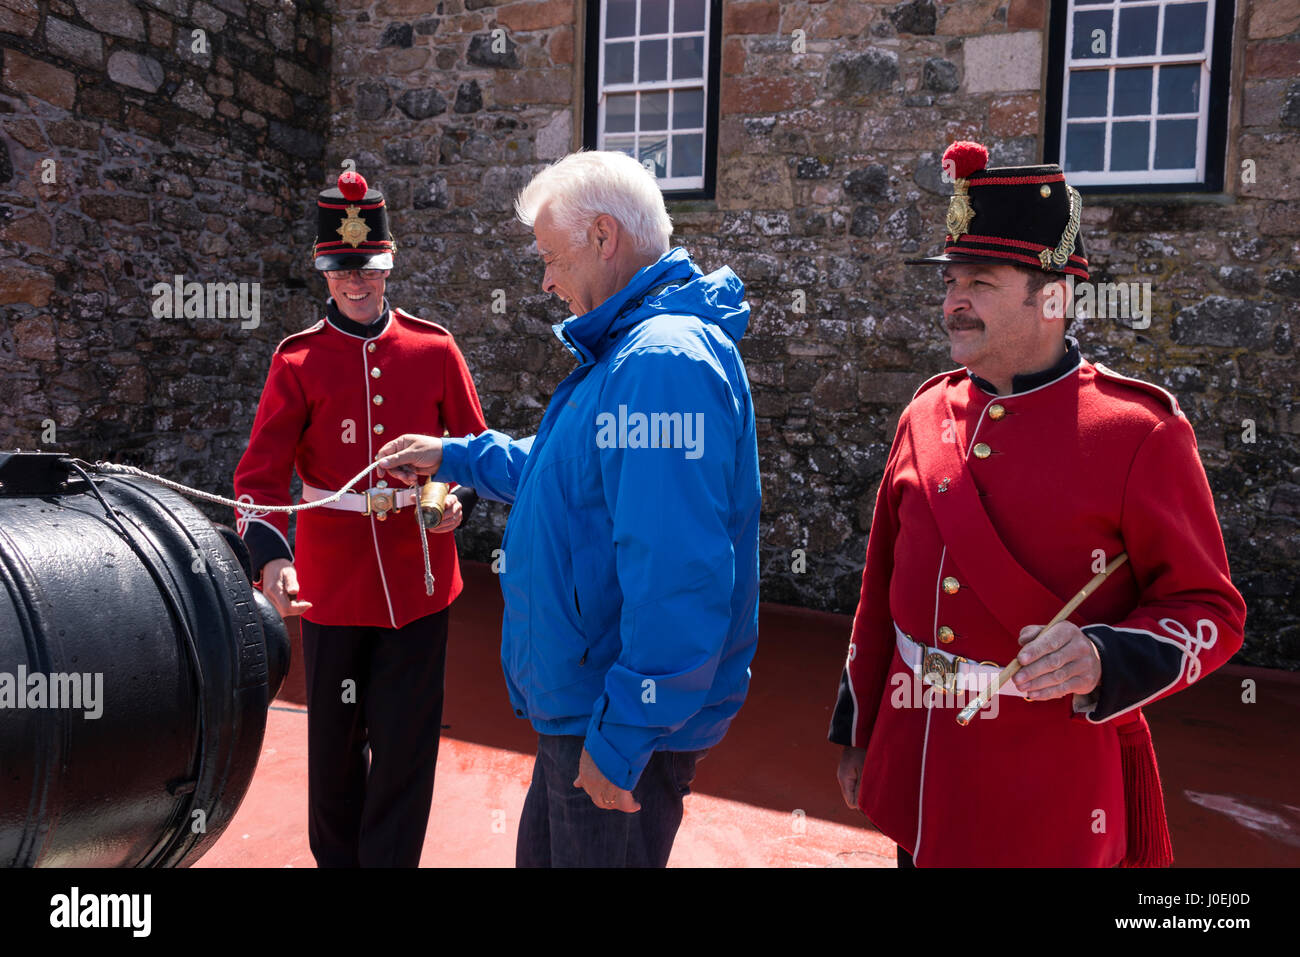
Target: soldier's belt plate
x: 940, y: 671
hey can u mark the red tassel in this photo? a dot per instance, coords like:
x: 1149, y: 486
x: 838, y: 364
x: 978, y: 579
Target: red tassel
x: 1144, y: 800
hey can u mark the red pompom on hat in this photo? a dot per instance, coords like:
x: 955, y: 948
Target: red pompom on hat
x: 960, y: 160
x: 353, y: 185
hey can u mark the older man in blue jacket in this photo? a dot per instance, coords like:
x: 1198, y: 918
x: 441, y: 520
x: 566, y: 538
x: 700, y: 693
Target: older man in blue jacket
x: 630, y: 569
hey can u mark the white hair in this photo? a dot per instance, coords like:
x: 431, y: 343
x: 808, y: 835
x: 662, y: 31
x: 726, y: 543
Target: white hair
x: 584, y: 185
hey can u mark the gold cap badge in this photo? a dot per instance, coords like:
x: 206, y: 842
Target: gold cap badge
x: 960, y: 212
x: 353, y: 229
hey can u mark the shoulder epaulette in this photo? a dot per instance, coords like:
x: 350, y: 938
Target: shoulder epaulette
x: 310, y: 330
x: 1164, y: 395
x: 424, y: 322
x: 951, y: 374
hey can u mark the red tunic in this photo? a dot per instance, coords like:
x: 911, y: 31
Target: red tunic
x: 1086, y: 466
x: 331, y: 400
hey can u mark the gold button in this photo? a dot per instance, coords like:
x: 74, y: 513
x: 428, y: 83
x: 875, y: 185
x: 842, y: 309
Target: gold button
x: 370, y: 347
x: 982, y: 451
x: 1044, y: 191
x: 996, y: 412
x: 379, y: 430
x: 374, y: 373
x: 946, y: 635
x: 378, y: 400
x: 951, y: 586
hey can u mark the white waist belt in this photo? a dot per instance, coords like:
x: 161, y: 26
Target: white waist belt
x: 358, y: 502
x: 950, y: 672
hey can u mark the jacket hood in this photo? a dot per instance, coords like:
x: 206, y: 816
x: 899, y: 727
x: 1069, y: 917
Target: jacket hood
x: 718, y: 297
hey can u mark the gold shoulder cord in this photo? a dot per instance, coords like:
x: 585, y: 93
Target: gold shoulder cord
x: 1061, y: 255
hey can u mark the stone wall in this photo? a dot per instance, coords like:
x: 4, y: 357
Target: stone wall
x: 133, y: 150
x: 828, y: 175
x: 828, y: 178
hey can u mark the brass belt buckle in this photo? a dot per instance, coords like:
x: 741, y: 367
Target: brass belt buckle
x: 379, y: 502
x: 939, y: 670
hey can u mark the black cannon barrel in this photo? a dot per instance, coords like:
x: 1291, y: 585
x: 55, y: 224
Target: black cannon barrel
x: 136, y: 666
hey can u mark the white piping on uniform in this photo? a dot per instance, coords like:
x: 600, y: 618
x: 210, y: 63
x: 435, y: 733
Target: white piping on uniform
x: 388, y: 319
x: 934, y: 633
x: 272, y: 528
x: 374, y: 533
x: 1182, y: 667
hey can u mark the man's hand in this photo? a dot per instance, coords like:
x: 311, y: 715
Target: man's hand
x: 603, y: 793
x: 280, y: 585
x: 850, y: 774
x: 1057, y: 662
x: 408, y: 456
x: 451, y: 515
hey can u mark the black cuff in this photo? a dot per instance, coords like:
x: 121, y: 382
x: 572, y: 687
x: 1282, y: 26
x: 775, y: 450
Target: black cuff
x: 264, y: 545
x: 844, y: 715
x: 468, y: 497
x: 1135, y: 666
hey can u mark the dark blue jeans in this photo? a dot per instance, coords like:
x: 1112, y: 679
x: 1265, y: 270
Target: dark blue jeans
x: 561, y: 827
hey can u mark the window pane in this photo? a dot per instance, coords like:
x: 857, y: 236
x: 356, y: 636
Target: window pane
x: 618, y: 62
x: 1091, y: 34
x: 1133, y: 91
x: 688, y: 109
x: 688, y: 154
x: 1180, y: 89
x: 654, y: 16
x: 1088, y: 89
x: 1085, y: 144
x: 622, y: 144
x: 1184, y: 28
x: 688, y: 58
x: 620, y: 112
x: 654, y: 155
x: 620, y: 18
x: 654, y: 60
x: 1137, y: 31
x: 1129, y: 145
x: 1176, y: 144
x: 688, y: 15
x: 654, y: 111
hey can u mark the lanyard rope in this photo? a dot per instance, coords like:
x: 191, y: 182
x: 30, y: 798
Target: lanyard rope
x: 250, y: 508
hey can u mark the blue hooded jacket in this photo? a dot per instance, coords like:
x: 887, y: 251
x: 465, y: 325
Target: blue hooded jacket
x: 630, y: 565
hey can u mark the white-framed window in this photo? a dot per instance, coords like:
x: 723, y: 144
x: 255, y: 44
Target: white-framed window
x: 653, y: 86
x: 1136, y: 104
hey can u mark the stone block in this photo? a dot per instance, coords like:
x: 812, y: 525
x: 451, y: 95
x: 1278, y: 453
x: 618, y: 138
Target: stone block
x: 758, y: 16
x: 19, y: 17
x: 1273, y: 18
x: 25, y: 286
x: 535, y: 15
x: 79, y: 45
x: 40, y: 79
x: 135, y: 70
x: 1003, y: 62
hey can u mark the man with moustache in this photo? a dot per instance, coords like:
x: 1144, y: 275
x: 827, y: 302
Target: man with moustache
x: 374, y: 640
x: 1011, y: 482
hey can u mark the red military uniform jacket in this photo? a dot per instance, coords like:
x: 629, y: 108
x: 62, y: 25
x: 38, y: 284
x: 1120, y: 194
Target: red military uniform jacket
x: 992, y: 513
x: 332, y: 398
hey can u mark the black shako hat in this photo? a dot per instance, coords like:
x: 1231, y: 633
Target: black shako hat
x: 1014, y: 215
x: 352, y: 226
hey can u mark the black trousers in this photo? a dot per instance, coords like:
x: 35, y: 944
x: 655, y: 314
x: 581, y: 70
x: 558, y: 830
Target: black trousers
x: 382, y: 688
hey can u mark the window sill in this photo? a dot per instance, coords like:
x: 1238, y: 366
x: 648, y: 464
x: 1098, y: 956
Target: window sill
x: 689, y: 204
x: 1173, y: 198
